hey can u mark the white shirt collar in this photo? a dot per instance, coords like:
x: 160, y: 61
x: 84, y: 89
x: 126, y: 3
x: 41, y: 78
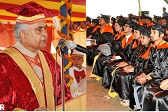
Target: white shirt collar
x: 127, y: 36
x: 23, y: 50
x: 78, y: 68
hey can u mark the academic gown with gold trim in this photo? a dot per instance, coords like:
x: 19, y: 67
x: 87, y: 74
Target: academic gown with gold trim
x: 20, y: 87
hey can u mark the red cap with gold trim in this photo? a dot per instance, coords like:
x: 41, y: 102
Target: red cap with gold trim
x: 30, y: 12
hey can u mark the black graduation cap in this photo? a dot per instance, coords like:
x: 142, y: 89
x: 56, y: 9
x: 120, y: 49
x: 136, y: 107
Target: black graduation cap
x: 121, y: 22
x: 106, y: 18
x: 88, y: 19
x: 145, y: 31
x: 96, y: 21
x: 130, y: 23
x: 149, y: 18
x: 137, y: 27
x: 158, y: 27
x: 143, y: 17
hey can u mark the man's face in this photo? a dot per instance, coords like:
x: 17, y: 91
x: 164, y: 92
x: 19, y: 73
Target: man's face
x: 144, y: 40
x: 144, y: 21
x: 164, y: 22
x: 87, y: 23
x: 117, y: 27
x: 148, y: 21
x: 102, y: 21
x: 154, y: 35
x: 37, y: 35
x: 137, y: 34
x: 127, y: 28
x: 77, y: 61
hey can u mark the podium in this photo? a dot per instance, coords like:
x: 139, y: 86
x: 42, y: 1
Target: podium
x: 76, y: 104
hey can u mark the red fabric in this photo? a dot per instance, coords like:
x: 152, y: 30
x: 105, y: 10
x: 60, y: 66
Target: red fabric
x: 79, y: 75
x: 31, y: 9
x: 15, y: 89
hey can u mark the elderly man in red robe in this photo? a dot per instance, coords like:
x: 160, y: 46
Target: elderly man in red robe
x: 29, y: 76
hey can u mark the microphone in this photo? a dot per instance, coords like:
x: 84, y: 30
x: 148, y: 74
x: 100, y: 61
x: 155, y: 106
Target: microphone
x: 72, y: 45
x: 61, y: 43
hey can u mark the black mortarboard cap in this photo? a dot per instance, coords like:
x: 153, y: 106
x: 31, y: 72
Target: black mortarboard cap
x: 106, y: 18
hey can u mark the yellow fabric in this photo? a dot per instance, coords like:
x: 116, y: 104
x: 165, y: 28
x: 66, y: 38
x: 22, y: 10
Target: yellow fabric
x: 32, y: 18
x: 93, y: 75
x: 48, y: 82
x: 112, y: 94
x: 150, y: 74
x: 112, y: 73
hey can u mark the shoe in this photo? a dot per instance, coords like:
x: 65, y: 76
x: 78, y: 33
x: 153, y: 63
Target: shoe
x: 121, y: 102
x: 125, y: 102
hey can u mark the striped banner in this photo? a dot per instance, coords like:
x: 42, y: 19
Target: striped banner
x: 78, y: 8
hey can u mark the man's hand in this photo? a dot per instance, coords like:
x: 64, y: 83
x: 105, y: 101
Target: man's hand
x: 89, y: 36
x: 128, y: 69
x: 114, y: 57
x: 141, y: 75
x: 122, y: 64
x: 141, y: 79
x: 164, y: 84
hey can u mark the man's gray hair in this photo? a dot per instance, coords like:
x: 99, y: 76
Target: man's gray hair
x: 18, y: 28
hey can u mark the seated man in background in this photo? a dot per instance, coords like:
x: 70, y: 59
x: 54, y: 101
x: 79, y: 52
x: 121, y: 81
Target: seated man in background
x: 78, y: 72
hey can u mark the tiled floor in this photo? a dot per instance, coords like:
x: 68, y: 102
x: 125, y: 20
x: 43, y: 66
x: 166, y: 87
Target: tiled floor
x: 95, y: 97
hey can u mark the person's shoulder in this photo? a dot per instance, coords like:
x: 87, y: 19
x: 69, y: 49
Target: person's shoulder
x: 84, y: 67
x: 71, y: 68
x: 4, y: 56
x: 5, y: 59
x: 46, y: 53
x: 48, y: 56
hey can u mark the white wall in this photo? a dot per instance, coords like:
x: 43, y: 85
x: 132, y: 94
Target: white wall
x: 124, y: 7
